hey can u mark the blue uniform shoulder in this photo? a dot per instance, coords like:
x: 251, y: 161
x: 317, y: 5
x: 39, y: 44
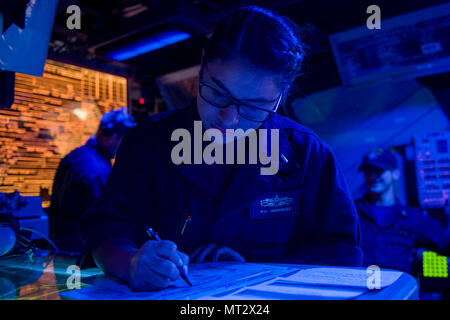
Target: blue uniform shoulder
x: 289, y: 124
x: 149, y: 137
x: 301, y: 136
x: 160, y: 116
x: 85, y: 161
x: 166, y: 120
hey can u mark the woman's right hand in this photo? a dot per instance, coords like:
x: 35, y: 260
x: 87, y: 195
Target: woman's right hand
x: 155, y: 265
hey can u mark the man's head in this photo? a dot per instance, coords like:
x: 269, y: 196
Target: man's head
x: 113, y: 127
x: 380, y: 171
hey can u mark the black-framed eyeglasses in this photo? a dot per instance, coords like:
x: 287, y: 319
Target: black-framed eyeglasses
x: 222, y: 100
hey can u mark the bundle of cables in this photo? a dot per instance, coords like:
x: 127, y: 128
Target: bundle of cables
x: 15, y: 240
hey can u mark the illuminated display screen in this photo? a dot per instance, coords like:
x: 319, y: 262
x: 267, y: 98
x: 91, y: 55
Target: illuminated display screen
x: 52, y: 115
x: 434, y: 265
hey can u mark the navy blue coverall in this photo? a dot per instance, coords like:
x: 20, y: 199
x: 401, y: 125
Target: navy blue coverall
x: 316, y: 223
x: 390, y: 235
x: 79, y: 179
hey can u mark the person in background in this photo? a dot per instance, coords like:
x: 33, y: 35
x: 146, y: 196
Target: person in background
x: 81, y: 176
x: 390, y: 231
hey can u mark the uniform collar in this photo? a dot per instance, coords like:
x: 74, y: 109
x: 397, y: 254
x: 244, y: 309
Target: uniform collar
x: 287, y: 159
x: 93, y: 143
x: 382, y: 216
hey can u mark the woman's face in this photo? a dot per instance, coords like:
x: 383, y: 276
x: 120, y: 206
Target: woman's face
x: 243, y: 82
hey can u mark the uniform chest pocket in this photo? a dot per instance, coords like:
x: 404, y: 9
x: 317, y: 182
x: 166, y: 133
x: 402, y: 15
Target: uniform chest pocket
x: 401, y: 238
x: 269, y: 231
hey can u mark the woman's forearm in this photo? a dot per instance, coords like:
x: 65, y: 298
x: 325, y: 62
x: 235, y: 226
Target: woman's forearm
x: 114, y: 257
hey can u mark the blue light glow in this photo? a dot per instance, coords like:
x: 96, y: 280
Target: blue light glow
x: 151, y: 43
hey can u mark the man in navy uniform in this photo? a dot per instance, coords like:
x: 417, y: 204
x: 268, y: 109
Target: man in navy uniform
x: 80, y: 177
x: 212, y: 212
x: 391, y: 232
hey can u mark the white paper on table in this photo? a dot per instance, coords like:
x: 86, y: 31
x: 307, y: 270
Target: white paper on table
x: 281, y: 289
x: 297, y: 292
x: 348, y: 277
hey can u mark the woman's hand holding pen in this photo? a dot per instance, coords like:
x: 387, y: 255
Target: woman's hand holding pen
x: 155, y: 265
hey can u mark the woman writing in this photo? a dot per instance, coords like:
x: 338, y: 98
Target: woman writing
x: 301, y: 214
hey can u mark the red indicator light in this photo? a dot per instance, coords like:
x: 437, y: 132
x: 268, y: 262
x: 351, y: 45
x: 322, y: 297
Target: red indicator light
x: 141, y: 101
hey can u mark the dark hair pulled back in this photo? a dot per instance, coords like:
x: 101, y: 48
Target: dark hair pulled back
x: 267, y: 40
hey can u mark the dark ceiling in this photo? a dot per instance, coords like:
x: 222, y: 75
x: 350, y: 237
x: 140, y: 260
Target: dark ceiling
x: 106, y: 24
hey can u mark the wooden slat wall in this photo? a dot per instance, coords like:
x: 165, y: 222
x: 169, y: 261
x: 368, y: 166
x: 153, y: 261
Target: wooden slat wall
x: 52, y: 115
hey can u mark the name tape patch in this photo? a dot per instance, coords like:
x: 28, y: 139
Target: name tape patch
x: 275, y: 204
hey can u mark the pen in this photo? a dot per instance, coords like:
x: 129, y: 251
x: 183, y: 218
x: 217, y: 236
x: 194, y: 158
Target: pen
x: 183, y: 274
x: 186, y: 220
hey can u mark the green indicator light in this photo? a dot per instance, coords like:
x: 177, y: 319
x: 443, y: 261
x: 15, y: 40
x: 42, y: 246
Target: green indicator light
x: 434, y: 265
